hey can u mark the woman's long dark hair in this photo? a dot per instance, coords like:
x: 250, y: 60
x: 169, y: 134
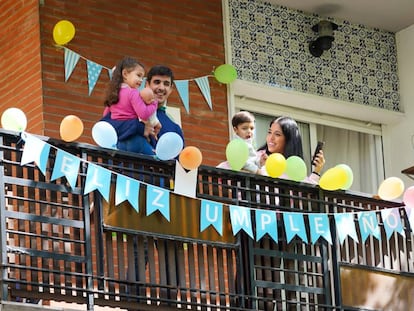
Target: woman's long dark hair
x: 293, y: 140
x: 128, y: 63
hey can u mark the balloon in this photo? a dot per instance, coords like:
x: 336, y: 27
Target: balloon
x: 391, y: 188
x: 190, y: 157
x: 14, y: 119
x: 169, y: 146
x: 296, y: 168
x: 63, y: 32
x: 408, y: 197
x: 349, y: 176
x: 104, y: 134
x: 333, y: 179
x: 71, y: 128
x: 275, y: 165
x: 237, y: 153
x: 225, y: 73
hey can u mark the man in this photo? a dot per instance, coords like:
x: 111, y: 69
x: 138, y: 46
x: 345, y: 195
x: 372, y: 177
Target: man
x: 160, y: 79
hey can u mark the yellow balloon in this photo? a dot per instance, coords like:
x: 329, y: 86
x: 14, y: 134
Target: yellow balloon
x: 63, y: 32
x: 333, y: 179
x: 71, y: 128
x: 391, y: 188
x: 275, y: 165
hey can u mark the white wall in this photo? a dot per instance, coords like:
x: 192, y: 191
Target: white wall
x: 398, y: 138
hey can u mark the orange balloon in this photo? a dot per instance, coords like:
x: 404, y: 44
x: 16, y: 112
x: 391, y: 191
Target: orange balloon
x: 71, y: 128
x: 190, y: 158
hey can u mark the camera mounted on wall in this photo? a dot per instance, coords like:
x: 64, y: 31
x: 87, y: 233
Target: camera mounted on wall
x: 325, y: 37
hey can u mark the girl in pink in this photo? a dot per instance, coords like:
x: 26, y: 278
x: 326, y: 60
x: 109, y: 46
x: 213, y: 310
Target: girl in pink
x: 125, y: 106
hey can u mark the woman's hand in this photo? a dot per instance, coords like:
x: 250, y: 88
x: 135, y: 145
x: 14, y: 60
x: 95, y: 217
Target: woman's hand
x: 319, y: 162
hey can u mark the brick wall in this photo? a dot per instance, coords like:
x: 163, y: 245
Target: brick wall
x: 20, y: 74
x: 186, y: 35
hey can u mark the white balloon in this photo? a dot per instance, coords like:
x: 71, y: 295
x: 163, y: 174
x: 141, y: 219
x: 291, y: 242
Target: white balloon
x: 104, y: 135
x: 14, y: 119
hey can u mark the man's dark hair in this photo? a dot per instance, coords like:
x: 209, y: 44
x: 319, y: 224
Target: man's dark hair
x: 160, y: 70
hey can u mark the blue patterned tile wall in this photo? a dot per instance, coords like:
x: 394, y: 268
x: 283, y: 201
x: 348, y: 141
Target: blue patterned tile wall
x: 270, y: 46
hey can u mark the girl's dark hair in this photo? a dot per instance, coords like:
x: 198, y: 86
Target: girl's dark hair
x: 128, y: 63
x: 293, y: 140
x: 242, y: 117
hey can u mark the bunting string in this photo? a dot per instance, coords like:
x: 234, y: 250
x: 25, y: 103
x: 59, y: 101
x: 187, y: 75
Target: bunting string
x: 71, y: 59
x: 211, y: 213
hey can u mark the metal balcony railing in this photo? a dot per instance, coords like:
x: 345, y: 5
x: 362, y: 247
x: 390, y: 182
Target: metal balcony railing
x: 59, y: 243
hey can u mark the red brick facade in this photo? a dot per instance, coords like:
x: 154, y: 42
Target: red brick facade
x: 186, y: 35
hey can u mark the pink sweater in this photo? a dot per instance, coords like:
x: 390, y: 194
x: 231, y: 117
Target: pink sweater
x: 130, y: 106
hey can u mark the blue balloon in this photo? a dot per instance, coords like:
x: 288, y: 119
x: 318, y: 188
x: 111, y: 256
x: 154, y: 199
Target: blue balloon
x: 169, y: 146
x: 104, y: 134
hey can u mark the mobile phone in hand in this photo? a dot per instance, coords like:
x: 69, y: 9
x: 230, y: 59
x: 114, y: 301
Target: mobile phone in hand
x: 318, y: 148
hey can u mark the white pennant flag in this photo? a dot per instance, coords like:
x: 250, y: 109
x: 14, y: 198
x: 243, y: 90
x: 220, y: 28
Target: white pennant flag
x: 71, y: 59
x: 205, y: 89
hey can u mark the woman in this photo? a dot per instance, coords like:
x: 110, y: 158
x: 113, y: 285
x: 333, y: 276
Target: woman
x: 284, y: 137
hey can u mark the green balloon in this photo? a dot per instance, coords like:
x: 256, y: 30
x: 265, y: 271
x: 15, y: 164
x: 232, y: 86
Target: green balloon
x: 349, y: 176
x: 237, y: 153
x: 225, y: 73
x: 295, y: 168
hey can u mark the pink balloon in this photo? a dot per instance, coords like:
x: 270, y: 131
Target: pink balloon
x: 408, y: 197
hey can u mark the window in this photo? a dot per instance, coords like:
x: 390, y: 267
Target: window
x: 346, y: 141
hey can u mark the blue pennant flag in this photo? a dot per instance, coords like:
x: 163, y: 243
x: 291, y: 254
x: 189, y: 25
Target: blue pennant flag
x: 182, y: 88
x: 266, y: 223
x: 66, y: 165
x: 211, y: 214
x: 241, y: 219
x: 71, y: 59
x: 368, y: 225
x: 35, y: 150
x: 345, y: 225
x: 158, y: 199
x: 392, y: 221
x: 98, y: 178
x: 205, y: 89
x: 127, y: 189
x: 94, y: 70
x: 319, y: 227
x: 295, y: 225
x: 410, y: 215
x: 142, y: 84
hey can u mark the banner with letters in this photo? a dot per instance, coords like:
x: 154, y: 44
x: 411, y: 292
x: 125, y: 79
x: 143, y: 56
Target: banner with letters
x: 309, y: 227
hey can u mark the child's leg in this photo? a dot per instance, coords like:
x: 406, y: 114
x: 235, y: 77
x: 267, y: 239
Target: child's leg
x: 138, y: 144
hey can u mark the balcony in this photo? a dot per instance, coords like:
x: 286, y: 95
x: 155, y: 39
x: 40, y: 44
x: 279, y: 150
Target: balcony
x: 60, y: 242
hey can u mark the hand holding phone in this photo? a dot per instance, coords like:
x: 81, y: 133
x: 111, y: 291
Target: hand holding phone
x: 318, y: 148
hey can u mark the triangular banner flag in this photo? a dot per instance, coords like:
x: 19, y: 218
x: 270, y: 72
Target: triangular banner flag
x: 204, y: 86
x: 319, y: 227
x: 392, y: 221
x: 94, y: 70
x: 368, y: 225
x: 345, y: 225
x: 71, y: 59
x: 158, y: 199
x: 266, y: 223
x: 98, y: 178
x: 35, y: 150
x: 127, y: 189
x: 66, y: 165
x: 142, y: 86
x: 241, y: 219
x: 211, y: 214
x: 295, y: 225
x: 182, y: 88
